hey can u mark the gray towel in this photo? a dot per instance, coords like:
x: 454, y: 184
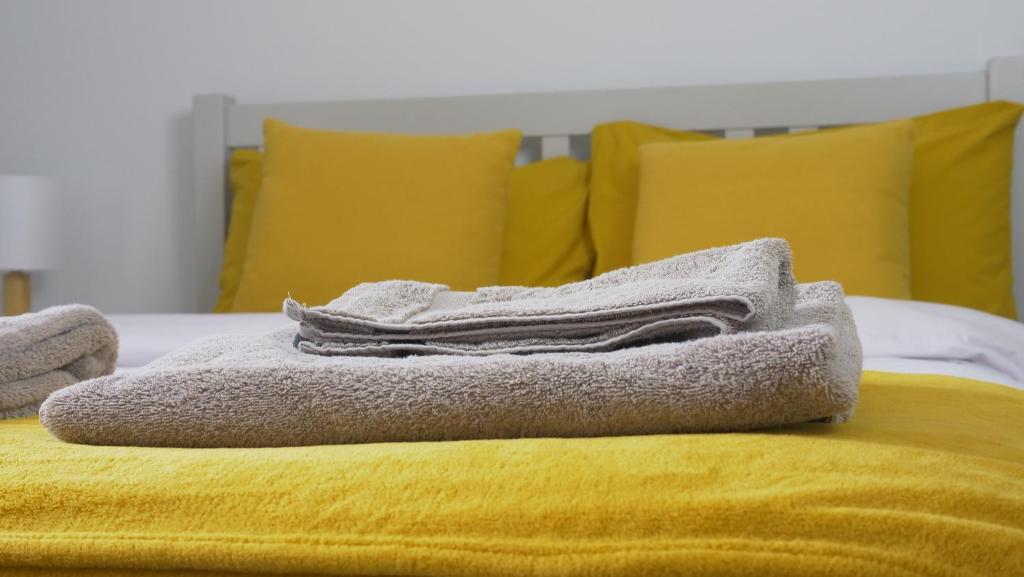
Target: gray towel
x: 242, y: 391
x: 705, y: 293
x: 46, y: 351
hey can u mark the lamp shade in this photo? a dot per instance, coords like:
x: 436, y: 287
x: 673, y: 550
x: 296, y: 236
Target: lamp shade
x: 29, y: 223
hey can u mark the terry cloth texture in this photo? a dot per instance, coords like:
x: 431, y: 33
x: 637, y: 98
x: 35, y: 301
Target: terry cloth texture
x: 926, y: 480
x: 243, y: 391
x: 49, y: 350
x: 705, y: 293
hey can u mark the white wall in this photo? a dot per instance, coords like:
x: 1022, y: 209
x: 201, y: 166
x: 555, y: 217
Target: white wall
x: 97, y: 92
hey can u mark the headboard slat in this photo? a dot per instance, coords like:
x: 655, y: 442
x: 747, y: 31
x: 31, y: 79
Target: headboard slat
x: 552, y: 146
x: 208, y: 228
x: 809, y: 103
x: 739, y: 132
x: 1006, y: 82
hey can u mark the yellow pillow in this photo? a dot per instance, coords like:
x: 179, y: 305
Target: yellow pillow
x: 959, y: 202
x: 339, y: 208
x: 839, y: 198
x: 546, y: 242
x: 614, y: 166
x: 245, y: 171
x: 960, y: 207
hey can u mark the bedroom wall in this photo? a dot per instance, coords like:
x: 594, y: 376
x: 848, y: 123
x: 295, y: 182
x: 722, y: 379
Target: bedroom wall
x: 97, y: 93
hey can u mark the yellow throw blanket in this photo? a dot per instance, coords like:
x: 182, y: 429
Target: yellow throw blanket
x: 926, y: 479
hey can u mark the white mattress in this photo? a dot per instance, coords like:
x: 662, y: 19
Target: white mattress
x: 898, y: 336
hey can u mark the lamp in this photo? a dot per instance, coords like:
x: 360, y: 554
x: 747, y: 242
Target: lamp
x: 29, y: 235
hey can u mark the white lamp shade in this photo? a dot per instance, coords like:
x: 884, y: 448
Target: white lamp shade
x: 29, y: 223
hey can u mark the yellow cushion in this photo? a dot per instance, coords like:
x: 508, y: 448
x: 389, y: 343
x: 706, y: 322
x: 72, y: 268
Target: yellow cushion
x: 838, y: 197
x: 614, y: 166
x: 960, y: 207
x: 245, y: 171
x: 339, y: 208
x: 927, y: 478
x: 546, y: 242
x: 959, y: 202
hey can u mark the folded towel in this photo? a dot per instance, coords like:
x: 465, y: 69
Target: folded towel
x: 243, y: 391
x: 695, y: 295
x: 45, y: 351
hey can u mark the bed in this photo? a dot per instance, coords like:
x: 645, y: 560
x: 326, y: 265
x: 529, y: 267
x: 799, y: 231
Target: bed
x: 927, y: 479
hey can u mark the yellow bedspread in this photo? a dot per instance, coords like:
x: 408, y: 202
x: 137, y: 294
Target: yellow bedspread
x: 927, y: 479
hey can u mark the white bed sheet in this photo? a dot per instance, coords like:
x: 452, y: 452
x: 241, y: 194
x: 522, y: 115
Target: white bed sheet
x: 897, y: 336
x: 918, y: 337
x: 143, y: 338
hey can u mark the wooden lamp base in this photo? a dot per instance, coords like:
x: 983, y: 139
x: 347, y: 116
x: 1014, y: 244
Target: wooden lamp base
x: 17, y: 293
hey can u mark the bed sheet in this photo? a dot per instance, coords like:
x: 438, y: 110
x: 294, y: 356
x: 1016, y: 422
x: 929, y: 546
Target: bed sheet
x: 143, y: 338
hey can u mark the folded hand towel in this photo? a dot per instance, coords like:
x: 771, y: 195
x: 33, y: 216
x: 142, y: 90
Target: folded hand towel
x: 700, y: 294
x: 239, y: 391
x: 45, y: 351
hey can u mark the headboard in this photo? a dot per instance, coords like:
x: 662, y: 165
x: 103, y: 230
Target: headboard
x: 559, y: 123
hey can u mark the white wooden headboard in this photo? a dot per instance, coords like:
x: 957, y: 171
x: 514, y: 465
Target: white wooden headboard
x: 559, y: 123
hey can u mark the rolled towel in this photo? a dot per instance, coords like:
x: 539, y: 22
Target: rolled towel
x: 747, y: 286
x: 246, y: 391
x: 46, y: 351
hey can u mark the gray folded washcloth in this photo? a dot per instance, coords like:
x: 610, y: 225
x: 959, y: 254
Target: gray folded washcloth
x: 243, y: 391
x: 46, y: 351
x: 700, y: 294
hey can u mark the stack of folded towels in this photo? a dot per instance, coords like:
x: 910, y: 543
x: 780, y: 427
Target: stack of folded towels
x: 49, y: 350
x: 716, y: 340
